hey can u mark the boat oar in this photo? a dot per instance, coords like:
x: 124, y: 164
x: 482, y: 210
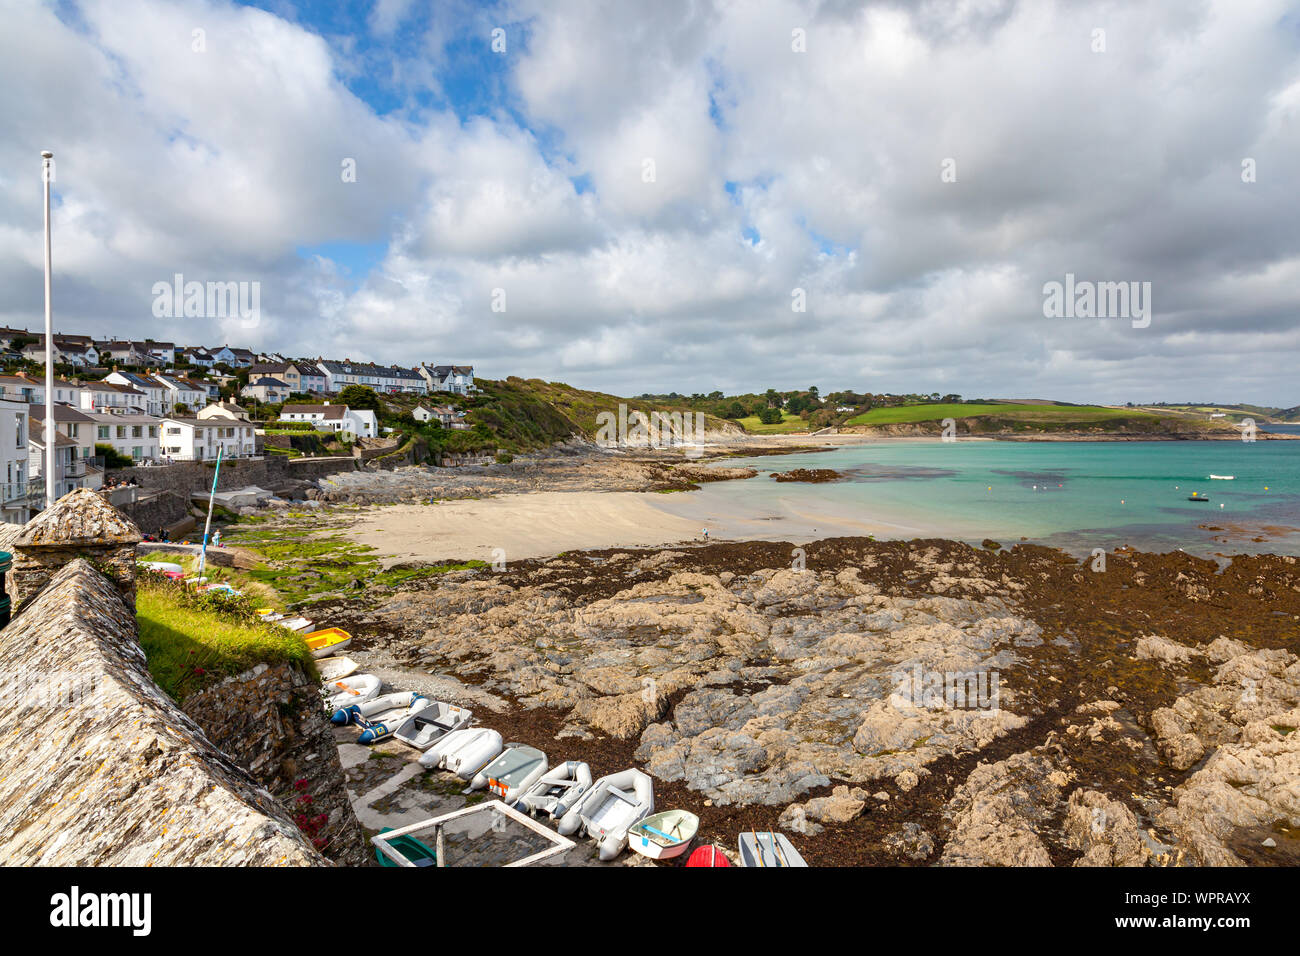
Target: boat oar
x: 758, y: 848
x: 780, y: 853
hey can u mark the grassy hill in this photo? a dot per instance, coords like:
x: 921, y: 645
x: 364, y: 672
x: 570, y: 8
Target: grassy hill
x: 518, y: 415
x: 1025, y: 418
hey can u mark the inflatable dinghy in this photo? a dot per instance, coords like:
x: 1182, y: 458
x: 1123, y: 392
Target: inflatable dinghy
x: 557, y: 790
x: 379, y: 716
x: 608, y: 810
x: 510, y: 774
x: 424, y: 729
x: 464, y: 752
x: 356, y: 689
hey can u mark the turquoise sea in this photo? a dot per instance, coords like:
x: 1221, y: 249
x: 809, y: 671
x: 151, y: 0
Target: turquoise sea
x: 1073, y: 495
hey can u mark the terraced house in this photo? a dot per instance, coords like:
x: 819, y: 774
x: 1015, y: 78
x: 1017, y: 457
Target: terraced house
x: 133, y: 436
x: 199, y: 439
x: 382, y: 378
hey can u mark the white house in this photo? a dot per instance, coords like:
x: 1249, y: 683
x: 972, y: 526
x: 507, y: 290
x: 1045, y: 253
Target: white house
x: 267, y: 389
x: 15, y: 505
x: 446, y: 415
x: 113, y: 397
x: 23, y: 389
x: 449, y: 378
x: 198, y: 439
x: 234, y: 357
x: 135, y: 436
x: 336, y: 418
x: 382, y: 378
x: 228, y: 410
x: 75, y: 464
x: 155, y: 392
x: 183, y: 391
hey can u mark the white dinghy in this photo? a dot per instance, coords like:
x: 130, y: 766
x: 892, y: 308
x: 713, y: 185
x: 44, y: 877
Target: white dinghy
x: 664, y: 835
x: 510, y: 774
x: 464, y: 752
x: 556, y: 791
x: 336, y: 668
x: 424, y: 729
x: 609, y: 808
x: 768, y: 849
x: 355, y: 689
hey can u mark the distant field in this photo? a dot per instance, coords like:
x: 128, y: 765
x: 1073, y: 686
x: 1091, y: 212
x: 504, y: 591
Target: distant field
x: 792, y: 423
x: 1047, y: 414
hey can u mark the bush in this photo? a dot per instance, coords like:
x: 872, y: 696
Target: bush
x: 113, y: 458
x: 505, y: 458
x: 771, y: 416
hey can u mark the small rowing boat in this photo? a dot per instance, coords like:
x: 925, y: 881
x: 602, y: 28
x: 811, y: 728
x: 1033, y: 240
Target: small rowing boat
x: 664, y: 835
x: 464, y: 752
x: 327, y: 641
x: 708, y: 856
x: 1224, y: 477
x: 609, y: 809
x: 768, y: 849
x: 336, y: 668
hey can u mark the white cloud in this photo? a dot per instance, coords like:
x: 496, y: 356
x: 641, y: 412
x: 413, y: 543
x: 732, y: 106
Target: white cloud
x: 1117, y: 165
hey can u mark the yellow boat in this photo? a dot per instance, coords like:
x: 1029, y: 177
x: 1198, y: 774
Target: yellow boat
x: 327, y: 641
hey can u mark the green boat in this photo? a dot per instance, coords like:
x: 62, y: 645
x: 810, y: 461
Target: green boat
x: 421, y: 854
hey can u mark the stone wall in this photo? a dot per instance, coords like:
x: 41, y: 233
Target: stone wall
x: 186, y: 478
x: 81, y: 524
x: 99, y: 767
x: 269, y: 720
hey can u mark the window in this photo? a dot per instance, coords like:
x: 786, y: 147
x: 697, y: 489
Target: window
x: 103, y: 432
x: 173, y: 431
x: 153, y: 431
x: 137, y: 452
x: 137, y: 431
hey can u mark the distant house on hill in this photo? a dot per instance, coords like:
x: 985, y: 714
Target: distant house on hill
x: 267, y: 389
x: 336, y: 418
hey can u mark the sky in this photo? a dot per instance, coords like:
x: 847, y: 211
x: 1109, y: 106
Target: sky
x: 675, y: 196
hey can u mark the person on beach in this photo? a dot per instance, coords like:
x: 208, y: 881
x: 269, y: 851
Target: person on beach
x: 216, y: 538
x: 705, y: 532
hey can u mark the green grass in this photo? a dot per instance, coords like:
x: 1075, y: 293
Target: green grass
x: 193, y: 640
x: 305, y: 561
x: 1046, y: 415
x: 789, y: 423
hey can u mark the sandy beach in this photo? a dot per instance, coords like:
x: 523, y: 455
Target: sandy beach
x: 523, y: 526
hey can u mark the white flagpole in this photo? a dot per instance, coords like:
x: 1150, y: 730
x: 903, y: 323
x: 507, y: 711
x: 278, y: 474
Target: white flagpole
x: 51, y: 429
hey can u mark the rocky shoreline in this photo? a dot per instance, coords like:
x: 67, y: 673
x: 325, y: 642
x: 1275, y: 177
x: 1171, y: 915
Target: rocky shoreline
x: 1140, y: 715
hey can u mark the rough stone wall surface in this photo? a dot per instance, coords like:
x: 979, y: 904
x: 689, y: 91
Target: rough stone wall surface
x: 98, y: 767
x: 185, y: 478
x: 269, y: 720
x: 81, y: 524
x: 158, y: 511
